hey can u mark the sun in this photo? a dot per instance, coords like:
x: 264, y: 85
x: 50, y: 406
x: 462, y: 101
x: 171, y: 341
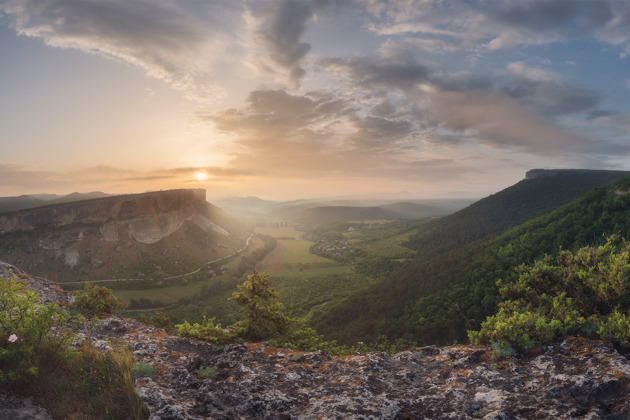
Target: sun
x: 201, y: 176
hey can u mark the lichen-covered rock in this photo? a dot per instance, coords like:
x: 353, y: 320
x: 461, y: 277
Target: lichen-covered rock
x: 573, y: 378
x: 16, y: 407
x: 48, y: 290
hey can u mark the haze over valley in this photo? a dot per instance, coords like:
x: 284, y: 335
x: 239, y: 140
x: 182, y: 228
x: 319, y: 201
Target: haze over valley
x: 298, y: 208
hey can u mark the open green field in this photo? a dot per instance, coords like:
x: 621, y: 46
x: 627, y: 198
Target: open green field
x: 389, y: 247
x: 279, y: 232
x: 167, y: 295
x: 384, y: 242
x: 292, y: 256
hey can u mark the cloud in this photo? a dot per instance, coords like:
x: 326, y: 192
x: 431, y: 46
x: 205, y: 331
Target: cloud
x: 517, y: 110
x: 402, y: 72
x: 533, y: 73
x: 23, y: 179
x: 313, y: 135
x: 553, y: 98
x: 495, y: 120
x: 279, y: 33
x: 167, y: 42
x: 279, y: 27
x: 188, y: 173
x: 480, y: 25
x: 19, y: 177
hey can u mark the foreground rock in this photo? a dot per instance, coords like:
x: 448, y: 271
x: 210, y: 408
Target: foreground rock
x: 575, y: 378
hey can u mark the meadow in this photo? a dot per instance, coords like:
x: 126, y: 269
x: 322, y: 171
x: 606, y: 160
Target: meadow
x: 306, y: 282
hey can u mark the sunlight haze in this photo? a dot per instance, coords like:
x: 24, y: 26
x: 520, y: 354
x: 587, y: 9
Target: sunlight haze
x: 298, y: 99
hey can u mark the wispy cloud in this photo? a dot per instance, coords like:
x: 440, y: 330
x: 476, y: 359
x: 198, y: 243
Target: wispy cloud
x: 497, y: 24
x: 278, y: 27
x: 165, y: 41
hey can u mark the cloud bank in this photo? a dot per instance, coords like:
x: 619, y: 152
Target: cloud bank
x: 430, y: 90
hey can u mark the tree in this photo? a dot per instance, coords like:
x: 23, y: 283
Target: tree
x: 585, y: 292
x: 263, y: 314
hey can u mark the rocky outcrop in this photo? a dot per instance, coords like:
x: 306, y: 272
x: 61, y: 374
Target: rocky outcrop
x: 122, y: 233
x: 540, y: 173
x: 148, y: 217
x: 573, y: 378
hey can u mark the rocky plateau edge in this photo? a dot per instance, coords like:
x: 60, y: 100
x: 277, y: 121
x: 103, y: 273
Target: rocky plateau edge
x: 572, y: 378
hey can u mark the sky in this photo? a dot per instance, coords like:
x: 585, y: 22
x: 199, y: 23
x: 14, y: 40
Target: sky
x: 315, y: 98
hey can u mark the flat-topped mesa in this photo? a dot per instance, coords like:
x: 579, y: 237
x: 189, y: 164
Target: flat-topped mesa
x: 149, y: 235
x: 539, y: 173
x: 162, y: 207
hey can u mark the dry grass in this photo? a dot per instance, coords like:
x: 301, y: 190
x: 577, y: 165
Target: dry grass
x: 87, y: 383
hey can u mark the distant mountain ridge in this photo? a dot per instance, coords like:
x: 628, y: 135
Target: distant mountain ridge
x: 22, y: 202
x: 326, y: 210
x: 329, y: 214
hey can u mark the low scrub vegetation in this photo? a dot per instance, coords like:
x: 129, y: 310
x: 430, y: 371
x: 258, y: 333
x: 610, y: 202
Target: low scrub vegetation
x: 36, y: 359
x: 583, y: 292
x: 264, y: 318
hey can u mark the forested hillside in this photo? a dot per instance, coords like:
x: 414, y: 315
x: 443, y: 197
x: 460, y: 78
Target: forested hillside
x: 512, y: 206
x: 451, y: 285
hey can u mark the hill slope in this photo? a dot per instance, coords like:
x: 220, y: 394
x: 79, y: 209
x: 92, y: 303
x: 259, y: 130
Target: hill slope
x: 424, y: 300
x: 512, y: 206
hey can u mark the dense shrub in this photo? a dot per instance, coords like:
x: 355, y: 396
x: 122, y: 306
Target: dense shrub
x: 97, y: 300
x: 586, y: 292
x: 159, y: 320
x: 25, y: 330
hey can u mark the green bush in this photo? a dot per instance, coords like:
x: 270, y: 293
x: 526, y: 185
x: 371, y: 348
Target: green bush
x: 207, y: 331
x: 97, y: 300
x: 25, y: 330
x: 265, y: 319
x: 159, y: 319
x: 585, y: 292
x: 143, y: 369
x: 36, y: 360
x: 616, y: 327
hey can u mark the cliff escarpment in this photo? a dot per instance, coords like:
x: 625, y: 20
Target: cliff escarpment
x: 571, y: 378
x: 120, y: 236
x: 150, y: 216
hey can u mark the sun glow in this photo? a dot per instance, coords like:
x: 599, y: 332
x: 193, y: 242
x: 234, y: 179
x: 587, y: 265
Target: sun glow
x: 201, y: 176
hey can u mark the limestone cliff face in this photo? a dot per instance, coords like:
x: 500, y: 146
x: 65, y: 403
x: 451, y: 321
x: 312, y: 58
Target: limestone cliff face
x: 148, y: 217
x: 572, y: 378
x: 110, y: 237
x: 539, y: 173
